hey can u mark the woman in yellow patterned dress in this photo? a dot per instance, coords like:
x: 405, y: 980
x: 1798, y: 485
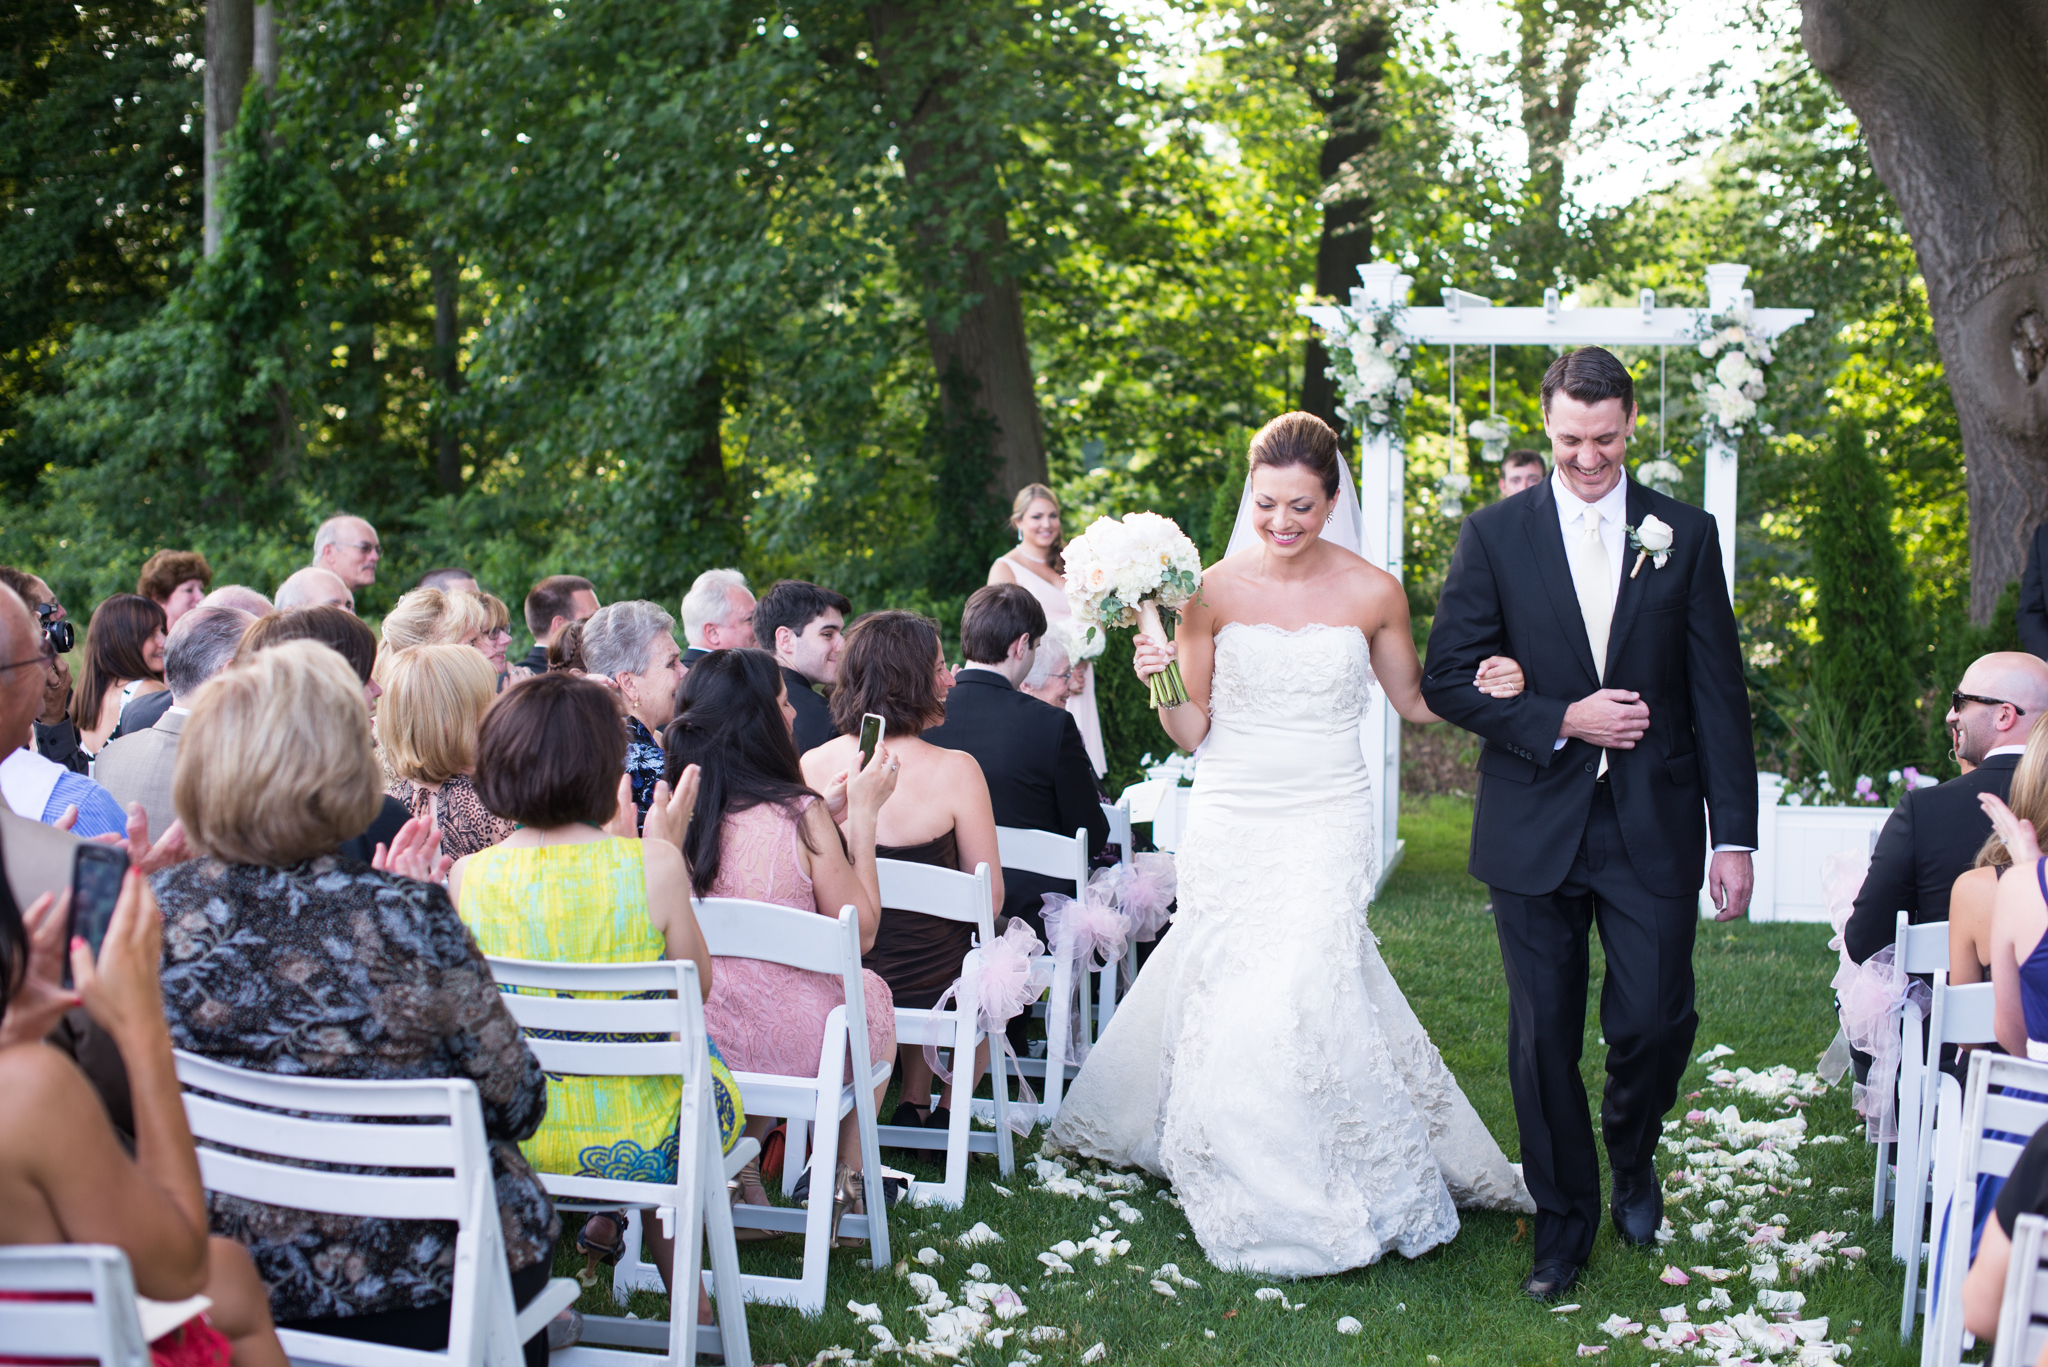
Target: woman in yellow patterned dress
x: 550, y: 755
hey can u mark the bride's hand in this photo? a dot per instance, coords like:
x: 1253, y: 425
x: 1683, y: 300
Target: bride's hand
x: 1151, y: 657
x: 1498, y: 677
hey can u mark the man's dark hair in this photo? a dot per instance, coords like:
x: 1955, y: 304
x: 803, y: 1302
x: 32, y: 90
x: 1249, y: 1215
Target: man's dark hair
x: 995, y: 615
x: 331, y: 626
x: 729, y: 724
x: 164, y: 571
x: 1522, y: 455
x: 552, y: 597
x: 550, y: 751
x: 1590, y: 375
x: 444, y: 578
x: 891, y: 669
x: 795, y: 604
x: 23, y: 583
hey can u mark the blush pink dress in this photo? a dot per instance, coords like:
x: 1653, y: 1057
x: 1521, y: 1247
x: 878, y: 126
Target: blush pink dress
x: 770, y: 1018
x: 1053, y: 598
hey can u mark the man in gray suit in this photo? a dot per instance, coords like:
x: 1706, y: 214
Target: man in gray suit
x: 139, y: 767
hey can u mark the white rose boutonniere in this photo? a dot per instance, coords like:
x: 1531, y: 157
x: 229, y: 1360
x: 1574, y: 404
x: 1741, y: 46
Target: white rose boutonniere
x: 1652, y: 541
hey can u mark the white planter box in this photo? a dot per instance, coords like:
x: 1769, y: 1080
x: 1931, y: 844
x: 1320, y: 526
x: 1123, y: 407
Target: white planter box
x: 1793, y: 844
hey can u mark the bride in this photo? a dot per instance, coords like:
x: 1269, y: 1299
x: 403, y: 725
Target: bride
x: 1265, y: 1063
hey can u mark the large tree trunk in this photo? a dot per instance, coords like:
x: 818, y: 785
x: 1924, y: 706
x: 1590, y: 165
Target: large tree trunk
x: 1953, y: 102
x: 1350, y: 131
x: 961, y: 228
x: 230, y: 49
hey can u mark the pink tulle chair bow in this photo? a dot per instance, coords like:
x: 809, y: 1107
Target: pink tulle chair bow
x: 1873, y: 997
x: 1008, y: 975
x: 1090, y: 932
x: 1146, y: 889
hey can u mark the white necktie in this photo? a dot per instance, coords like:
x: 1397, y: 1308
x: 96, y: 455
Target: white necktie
x: 1594, y: 581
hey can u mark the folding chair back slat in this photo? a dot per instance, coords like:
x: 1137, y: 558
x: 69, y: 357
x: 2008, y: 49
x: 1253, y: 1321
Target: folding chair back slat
x: 1929, y: 1112
x: 947, y: 894
x: 2023, y: 1311
x: 325, y: 1141
x: 738, y: 928
x: 105, y: 1329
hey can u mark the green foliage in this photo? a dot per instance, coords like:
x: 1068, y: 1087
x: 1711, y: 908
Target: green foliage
x: 1861, y: 603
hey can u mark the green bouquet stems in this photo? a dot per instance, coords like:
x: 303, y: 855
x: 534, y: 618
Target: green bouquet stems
x: 1167, y: 688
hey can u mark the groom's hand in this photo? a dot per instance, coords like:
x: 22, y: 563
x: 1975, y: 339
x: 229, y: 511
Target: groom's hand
x: 1613, y: 719
x: 1730, y: 879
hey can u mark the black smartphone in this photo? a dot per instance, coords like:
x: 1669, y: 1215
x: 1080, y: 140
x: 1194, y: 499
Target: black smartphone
x: 870, y: 737
x: 96, y: 874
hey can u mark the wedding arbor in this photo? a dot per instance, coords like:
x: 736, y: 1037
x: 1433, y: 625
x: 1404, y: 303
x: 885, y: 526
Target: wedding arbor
x: 1360, y: 333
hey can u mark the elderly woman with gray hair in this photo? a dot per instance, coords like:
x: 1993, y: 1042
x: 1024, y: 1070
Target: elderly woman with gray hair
x: 632, y: 647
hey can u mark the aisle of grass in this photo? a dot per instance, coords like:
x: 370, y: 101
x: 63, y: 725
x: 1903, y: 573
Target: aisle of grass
x: 1763, y: 991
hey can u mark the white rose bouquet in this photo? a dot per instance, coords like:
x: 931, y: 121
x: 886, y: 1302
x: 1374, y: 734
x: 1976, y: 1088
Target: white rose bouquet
x: 1136, y: 570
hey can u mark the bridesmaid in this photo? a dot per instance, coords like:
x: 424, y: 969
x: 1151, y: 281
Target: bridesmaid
x: 1037, y: 565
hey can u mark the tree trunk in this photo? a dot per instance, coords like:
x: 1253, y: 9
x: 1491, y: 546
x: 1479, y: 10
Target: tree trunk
x: 230, y: 49
x: 446, y: 274
x: 1346, y: 242
x: 957, y: 205
x: 1953, y: 102
x: 265, y: 45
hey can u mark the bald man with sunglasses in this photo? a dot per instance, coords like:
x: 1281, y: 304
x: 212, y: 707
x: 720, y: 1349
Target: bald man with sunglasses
x: 1934, y: 835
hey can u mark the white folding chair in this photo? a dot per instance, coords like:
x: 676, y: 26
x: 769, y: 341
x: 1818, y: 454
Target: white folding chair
x: 1959, y: 1015
x: 106, y: 1328
x: 954, y: 896
x: 736, y: 928
x: 1119, y: 814
x: 1059, y: 856
x: 1919, y: 950
x: 1979, y: 1150
x: 2023, y: 1311
x: 669, y: 1007
x: 434, y: 1171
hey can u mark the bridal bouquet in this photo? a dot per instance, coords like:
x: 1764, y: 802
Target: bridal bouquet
x: 1134, y: 571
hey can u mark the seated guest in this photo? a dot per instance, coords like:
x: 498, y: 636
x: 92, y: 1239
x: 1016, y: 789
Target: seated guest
x: 1934, y: 835
x: 565, y: 652
x: 138, y: 767
x: 804, y: 626
x: 1970, y: 902
x: 34, y: 787
x: 1052, y: 679
x: 239, y: 596
x: 760, y: 833
x: 275, y: 770
x: 434, y: 699
x: 175, y: 581
x: 551, y: 606
x: 633, y: 645
x: 314, y: 587
x: 343, y: 632
x: 718, y: 614
x: 1031, y: 756
x: 429, y: 617
x: 55, y: 737
x: 124, y: 657
x: 70, y: 1177
x: 548, y: 759
x: 448, y: 580
x: 939, y: 815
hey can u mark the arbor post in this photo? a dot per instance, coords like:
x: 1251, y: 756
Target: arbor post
x: 1724, y: 293
x: 1382, y: 504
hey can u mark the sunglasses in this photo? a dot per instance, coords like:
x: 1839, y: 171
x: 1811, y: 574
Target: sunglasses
x: 1957, y: 699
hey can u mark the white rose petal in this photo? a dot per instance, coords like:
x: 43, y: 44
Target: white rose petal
x: 1348, y: 1325
x: 866, y: 1314
x: 1095, y: 1354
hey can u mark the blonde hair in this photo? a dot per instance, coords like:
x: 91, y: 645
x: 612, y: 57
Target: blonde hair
x: 1021, y: 504
x: 434, y: 699
x: 275, y: 764
x: 2028, y: 797
x: 501, y: 616
x: 430, y: 617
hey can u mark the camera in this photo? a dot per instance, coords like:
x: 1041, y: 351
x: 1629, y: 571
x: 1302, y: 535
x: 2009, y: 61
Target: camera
x: 60, y: 634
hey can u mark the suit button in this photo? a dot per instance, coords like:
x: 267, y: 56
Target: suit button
x: 1589, y: 766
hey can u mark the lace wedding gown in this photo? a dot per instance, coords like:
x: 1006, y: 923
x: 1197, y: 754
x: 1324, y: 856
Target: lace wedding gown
x: 1265, y: 1063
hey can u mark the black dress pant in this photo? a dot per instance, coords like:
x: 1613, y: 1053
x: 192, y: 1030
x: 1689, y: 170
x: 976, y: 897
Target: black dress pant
x: 1646, y: 1014
x: 426, y: 1328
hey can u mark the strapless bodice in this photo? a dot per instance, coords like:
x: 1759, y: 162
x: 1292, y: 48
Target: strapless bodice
x: 1284, y: 711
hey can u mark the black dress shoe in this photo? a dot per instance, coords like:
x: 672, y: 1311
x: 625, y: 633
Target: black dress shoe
x: 1551, y: 1279
x: 939, y: 1119
x: 906, y: 1114
x: 1638, y: 1207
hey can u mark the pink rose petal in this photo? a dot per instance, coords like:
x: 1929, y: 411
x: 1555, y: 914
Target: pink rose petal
x: 1673, y: 1277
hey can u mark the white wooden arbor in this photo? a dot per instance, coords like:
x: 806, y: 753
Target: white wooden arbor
x: 1469, y: 320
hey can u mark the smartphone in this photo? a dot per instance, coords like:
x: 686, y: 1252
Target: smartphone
x: 870, y: 737
x: 96, y: 874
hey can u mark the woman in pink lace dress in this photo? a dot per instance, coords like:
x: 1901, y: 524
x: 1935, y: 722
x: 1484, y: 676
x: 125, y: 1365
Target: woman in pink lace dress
x: 759, y: 833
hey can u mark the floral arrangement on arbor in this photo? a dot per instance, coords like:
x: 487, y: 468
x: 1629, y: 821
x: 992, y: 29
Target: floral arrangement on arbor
x: 1820, y: 790
x: 1372, y: 364
x: 1135, y: 571
x: 1737, y: 383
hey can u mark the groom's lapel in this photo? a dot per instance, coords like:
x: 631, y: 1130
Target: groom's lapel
x: 1546, y: 539
x: 1630, y: 600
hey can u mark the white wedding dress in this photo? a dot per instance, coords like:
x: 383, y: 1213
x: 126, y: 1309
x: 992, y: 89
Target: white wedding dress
x: 1265, y: 1063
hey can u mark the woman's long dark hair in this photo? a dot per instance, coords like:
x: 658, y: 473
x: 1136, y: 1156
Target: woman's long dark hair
x: 730, y: 725
x: 120, y: 627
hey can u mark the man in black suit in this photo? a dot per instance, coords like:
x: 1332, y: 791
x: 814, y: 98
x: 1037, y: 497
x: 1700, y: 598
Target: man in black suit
x: 2033, y: 612
x: 1933, y: 837
x: 1597, y: 784
x: 1031, y: 754
x: 804, y: 627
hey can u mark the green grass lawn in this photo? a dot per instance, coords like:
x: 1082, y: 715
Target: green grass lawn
x: 1762, y: 991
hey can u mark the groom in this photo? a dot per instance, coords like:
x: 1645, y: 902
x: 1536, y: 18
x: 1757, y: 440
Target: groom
x: 1597, y: 785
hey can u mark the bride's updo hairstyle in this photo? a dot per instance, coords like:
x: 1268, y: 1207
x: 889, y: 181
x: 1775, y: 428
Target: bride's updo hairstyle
x: 1299, y: 439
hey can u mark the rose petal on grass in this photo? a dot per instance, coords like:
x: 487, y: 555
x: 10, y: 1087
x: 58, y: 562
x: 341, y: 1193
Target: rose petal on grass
x: 1270, y: 1293
x: 866, y: 1314
x: 1591, y: 1350
x: 1348, y: 1325
x: 1095, y: 1354
x: 978, y: 1235
x: 1565, y: 1309
x: 1619, y: 1326
x: 1673, y: 1277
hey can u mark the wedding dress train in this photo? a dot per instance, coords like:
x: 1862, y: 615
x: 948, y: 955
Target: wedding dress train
x: 1265, y: 1062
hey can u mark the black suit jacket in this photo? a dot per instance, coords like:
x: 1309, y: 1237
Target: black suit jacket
x: 142, y: 713
x: 1037, y: 769
x: 1509, y: 592
x: 1931, y: 840
x: 814, y: 725
x: 693, y: 654
x: 2033, y: 613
